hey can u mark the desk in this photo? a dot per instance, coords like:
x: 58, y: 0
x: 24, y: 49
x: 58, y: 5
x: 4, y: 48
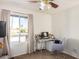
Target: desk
x: 43, y: 42
x: 50, y: 45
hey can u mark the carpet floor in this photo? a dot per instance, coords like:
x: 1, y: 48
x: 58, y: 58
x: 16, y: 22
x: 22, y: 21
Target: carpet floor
x: 44, y: 55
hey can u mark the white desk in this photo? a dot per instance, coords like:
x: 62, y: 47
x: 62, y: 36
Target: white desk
x: 43, y: 42
x: 50, y: 45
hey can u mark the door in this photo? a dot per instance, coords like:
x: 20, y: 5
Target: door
x: 18, y: 35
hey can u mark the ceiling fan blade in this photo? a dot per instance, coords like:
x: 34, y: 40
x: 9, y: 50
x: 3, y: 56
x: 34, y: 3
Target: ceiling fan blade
x: 53, y: 4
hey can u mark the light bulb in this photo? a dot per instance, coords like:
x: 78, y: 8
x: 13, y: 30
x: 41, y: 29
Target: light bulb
x: 42, y: 6
x: 48, y: 6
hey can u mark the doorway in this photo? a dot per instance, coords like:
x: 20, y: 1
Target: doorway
x: 18, y: 35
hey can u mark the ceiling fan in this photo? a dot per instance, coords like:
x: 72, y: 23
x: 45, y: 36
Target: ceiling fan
x: 44, y: 3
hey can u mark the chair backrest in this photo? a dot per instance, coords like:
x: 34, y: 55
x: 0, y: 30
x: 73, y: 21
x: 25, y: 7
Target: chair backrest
x: 57, y: 41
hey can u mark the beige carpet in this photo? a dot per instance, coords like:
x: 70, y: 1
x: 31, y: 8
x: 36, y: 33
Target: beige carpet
x: 45, y: 55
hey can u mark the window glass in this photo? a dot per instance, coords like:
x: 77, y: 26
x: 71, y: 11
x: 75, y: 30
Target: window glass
x: 23, y: 25
x: 18, y: 28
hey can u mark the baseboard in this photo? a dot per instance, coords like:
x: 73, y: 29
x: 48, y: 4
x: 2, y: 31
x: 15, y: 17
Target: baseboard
x: 70, y: 54
x: 4, y: 57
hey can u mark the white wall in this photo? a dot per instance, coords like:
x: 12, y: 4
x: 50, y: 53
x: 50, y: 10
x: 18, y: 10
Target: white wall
x: 65, y: 26
x: 73, y: 47
x: 74, y: 24
x: 60, y: 24
x: 42, y: 23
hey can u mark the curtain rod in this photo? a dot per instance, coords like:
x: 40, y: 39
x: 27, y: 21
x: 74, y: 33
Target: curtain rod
x: 15, y: 11
x: 20, y: 13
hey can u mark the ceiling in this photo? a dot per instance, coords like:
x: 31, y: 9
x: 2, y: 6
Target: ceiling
x: 63, y: 4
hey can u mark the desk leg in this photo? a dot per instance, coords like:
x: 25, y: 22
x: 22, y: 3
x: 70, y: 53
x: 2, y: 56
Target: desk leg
x: 41, y: 47
x: 45, y: 48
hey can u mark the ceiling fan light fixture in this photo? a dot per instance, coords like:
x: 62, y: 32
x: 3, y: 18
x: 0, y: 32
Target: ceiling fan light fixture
x: 42, y: 6
x: 46, y: 1
x: 49, y: 6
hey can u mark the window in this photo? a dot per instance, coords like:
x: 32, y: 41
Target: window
x: 18, y: 28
